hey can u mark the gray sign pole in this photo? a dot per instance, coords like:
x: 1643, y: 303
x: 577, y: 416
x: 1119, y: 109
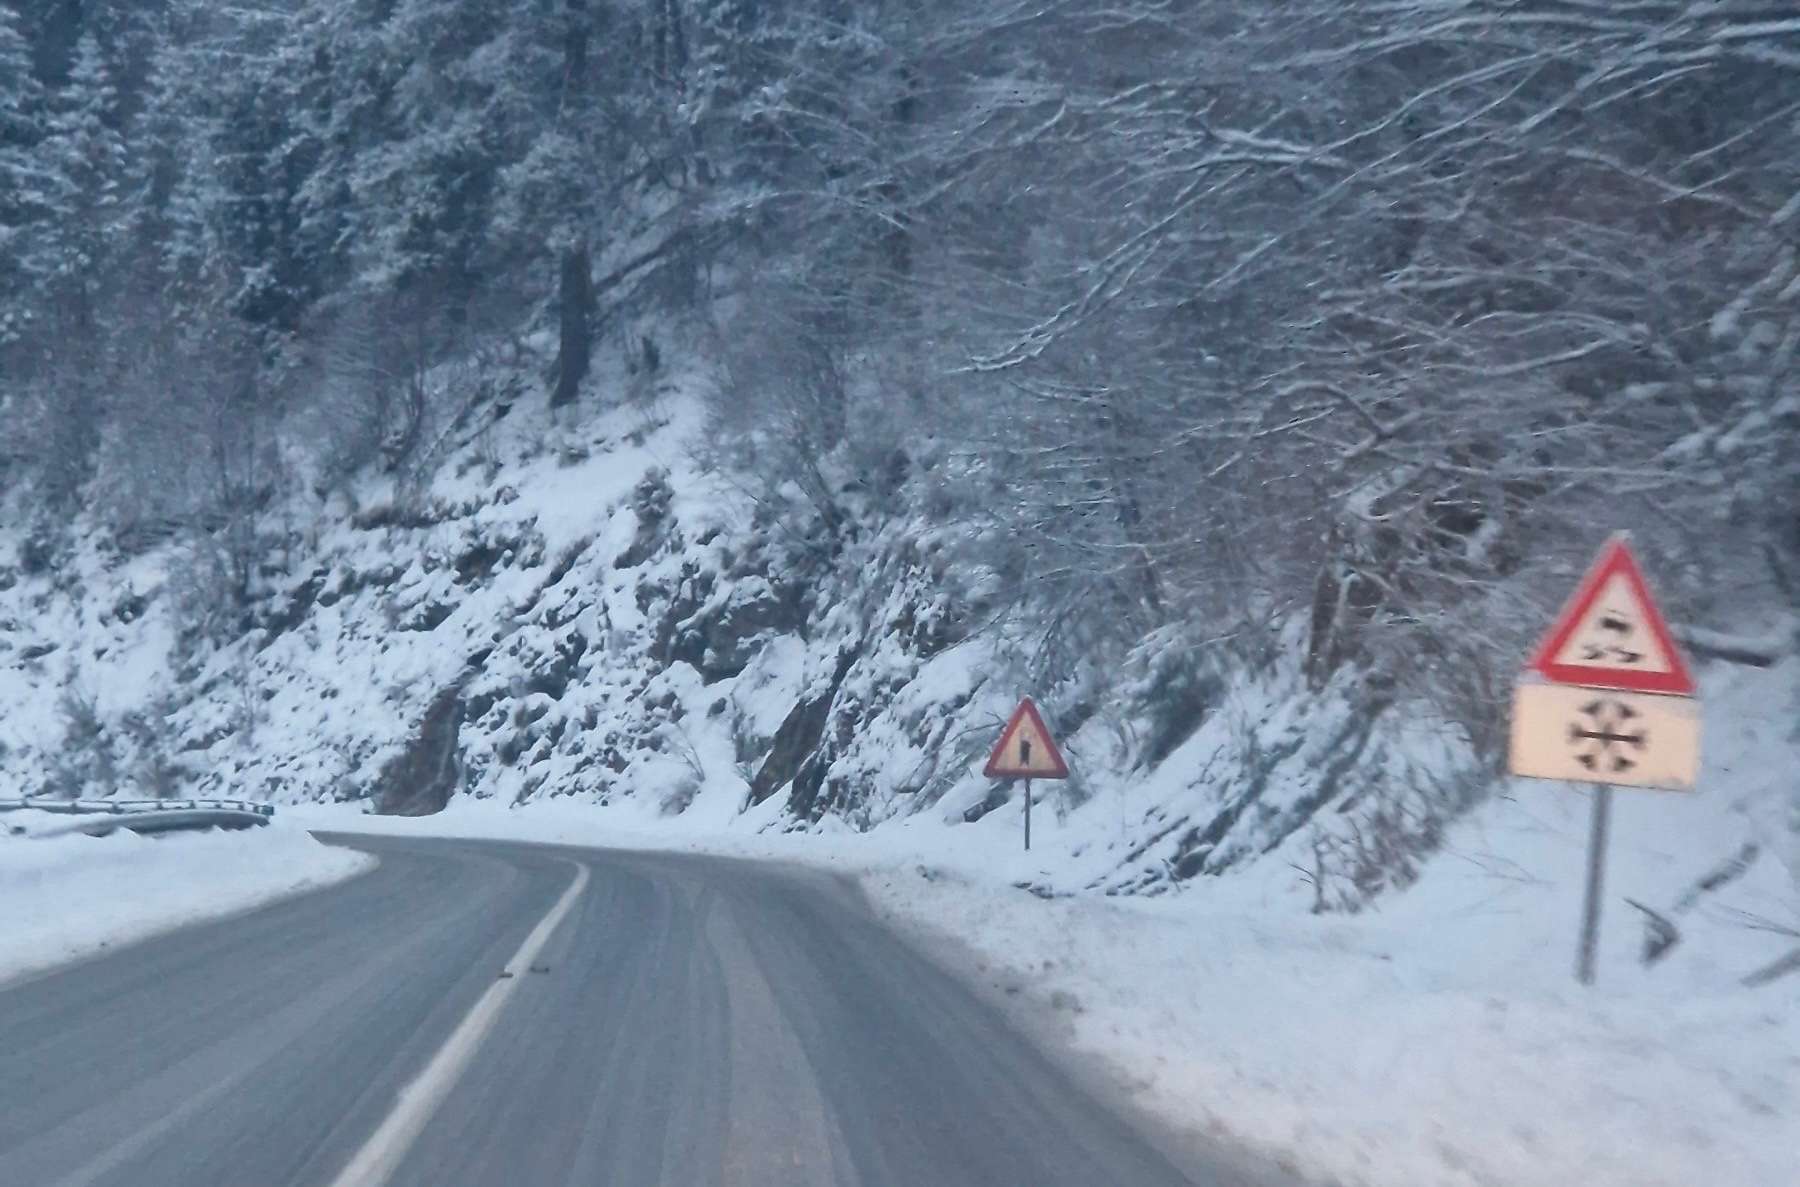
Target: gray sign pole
x: 1596, y: 877
x: 1028, y: 815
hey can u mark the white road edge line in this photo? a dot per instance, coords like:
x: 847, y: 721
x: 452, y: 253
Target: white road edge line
x: 382, y: 1153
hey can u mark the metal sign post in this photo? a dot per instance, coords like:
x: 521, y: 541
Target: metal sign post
x: 1028, y: 816
x: 1596, y: 878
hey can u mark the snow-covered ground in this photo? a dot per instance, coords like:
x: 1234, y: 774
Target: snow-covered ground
x: 64, y: 896
x: 1438, y: 1040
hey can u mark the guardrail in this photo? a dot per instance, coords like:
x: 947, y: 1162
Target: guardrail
x: 128, y: 807
x: 98, y: 818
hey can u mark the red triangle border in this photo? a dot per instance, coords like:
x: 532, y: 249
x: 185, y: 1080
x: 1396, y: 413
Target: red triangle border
x: 1615, y: 558
x: 1027, y: 710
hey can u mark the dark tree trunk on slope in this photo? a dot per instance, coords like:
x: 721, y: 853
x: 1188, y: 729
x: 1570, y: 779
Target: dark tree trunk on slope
x: 577, y: 34
x: 576, y: 302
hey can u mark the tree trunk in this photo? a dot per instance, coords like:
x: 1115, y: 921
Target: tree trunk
x: 576, y: 299
x: 577, y: 34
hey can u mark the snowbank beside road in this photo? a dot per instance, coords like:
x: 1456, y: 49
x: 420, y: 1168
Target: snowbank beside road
x: 1441, y: 1043
x: 66, y: 896
x: 1439, y: 1039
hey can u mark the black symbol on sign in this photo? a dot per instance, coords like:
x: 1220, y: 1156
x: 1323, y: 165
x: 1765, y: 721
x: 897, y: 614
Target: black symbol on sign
x: 1618, y: 624
x: 1024, y: 752
x: 1611, y: 730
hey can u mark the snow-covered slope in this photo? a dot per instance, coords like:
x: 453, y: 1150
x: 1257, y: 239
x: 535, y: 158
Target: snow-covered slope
x: 595, y: 608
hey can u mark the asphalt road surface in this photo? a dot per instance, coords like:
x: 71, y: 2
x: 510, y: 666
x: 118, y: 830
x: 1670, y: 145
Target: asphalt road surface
x: 475, y: 1014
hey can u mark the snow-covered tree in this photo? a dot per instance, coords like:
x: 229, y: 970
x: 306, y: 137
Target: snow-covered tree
x: 1338, y: 312
x: 24, y: 187
x: 549, y: 74
x: 83, y: 159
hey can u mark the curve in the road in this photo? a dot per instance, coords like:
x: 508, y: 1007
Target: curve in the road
x: 479, y: 1014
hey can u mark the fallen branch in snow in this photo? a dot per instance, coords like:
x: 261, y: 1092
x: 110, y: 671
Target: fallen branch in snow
x: 1755, y: 922
x: 1660, y: 933
x: 1733, y: 649
x: 1723, y: 874
x: 1780, y: 968
x: 1774, y: 972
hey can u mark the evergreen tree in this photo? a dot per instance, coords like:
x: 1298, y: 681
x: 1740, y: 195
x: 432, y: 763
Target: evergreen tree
x: 553, y: 198
x: 177, y: 196
x: 425, y: 179
x: 220, y: 131
x: 21, y: 96
x: 23, y: 190
x: 83, y: 159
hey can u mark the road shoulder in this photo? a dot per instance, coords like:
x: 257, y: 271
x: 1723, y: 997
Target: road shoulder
x: 69, y: 898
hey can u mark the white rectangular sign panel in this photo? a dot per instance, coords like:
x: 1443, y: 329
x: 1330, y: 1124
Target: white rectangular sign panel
x: 1598, y: 735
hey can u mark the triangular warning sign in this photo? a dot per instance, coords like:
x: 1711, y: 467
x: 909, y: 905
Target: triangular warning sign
x: 1025, y: 749
x: 1611, y: 634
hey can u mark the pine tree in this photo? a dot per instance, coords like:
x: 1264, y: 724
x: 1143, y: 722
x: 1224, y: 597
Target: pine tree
x: 177, y: 196
x: 552, y: 198
x: 22, y: 183
x: 344, y: 84
x: 220, y: 163
x: 426, y: 179
x: 21, y: 97
x: 738, y: 48
x: 83, y: 158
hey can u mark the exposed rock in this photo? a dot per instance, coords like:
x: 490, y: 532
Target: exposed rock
x: 554, y: 672
x: 289, y: 613
x: 130, y: 608
x: 797, y: 739
x: 721, y: 640
x: 478, y: 560
x: 427, y: 616
x: 650, y: 500
x: 421, y: 779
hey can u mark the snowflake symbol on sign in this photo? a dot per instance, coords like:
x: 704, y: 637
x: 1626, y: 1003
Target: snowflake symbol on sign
x: 1608, y: 735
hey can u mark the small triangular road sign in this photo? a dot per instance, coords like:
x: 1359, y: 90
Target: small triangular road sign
x: 1612, y: 635
x: 1025, y: 749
